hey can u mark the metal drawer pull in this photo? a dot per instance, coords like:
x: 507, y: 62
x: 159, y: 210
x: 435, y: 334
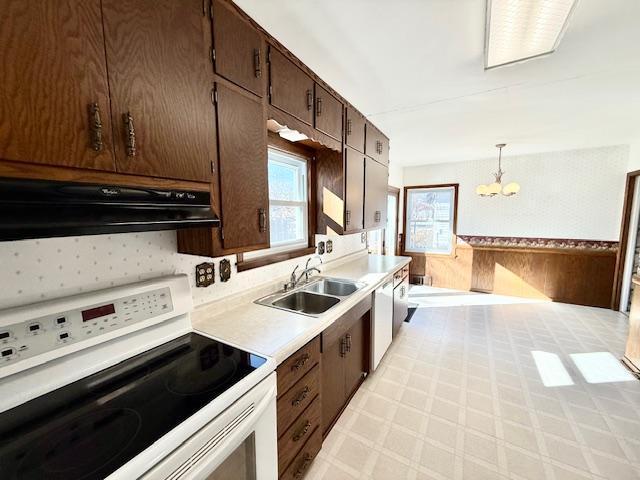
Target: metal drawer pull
x: 302, y: 432
x: 301, y: 396
x: 300, y: 363
x: 262, y: 218
x: 303, y: 466
x: 257, y: 67
x: 348, y: 339
x: 319, y: 106
x: 130, y: 131
x: 309, y: 100
x: 343, y: 347
x: 95, y: 127
x: 348, y: 217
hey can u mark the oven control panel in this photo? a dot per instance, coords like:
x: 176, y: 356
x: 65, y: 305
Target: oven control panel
x: 20, y: 341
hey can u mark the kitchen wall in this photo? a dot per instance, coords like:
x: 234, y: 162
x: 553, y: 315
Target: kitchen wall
x: 568, y: 194
x: 36, y: 270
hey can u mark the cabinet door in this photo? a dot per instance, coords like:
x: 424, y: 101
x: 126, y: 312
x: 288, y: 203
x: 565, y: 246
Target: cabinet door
x: 54, y: 97
x: 328, y: 113
x: 354, y: 131
x: 291, y: 90
x: 400, y: 305
x: 160, y: 81
x: 238, y: 49
x: 333, y: 384
x: 377, y: 145
x: 355, y: 359
x: 375, y: 206
x: 242, y: 158
x: 354, y: 189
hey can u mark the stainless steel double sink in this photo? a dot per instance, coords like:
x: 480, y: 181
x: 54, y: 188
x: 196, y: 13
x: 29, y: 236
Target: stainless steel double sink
x: 314, y: 297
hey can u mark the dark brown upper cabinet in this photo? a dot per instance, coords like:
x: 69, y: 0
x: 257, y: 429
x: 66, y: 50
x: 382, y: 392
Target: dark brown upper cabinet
x: 238, y: 49
x: 354, y: 129
x: 54, y: 96
x: 161, y: 87
x: 377, y: 145
x: 242, y: 158
x: 290, y: 89
x: 354, y: 190
x: 375, y: 195
x: 328, y: 113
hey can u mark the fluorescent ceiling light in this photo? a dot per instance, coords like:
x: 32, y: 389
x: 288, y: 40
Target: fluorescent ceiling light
x: 519, y: 30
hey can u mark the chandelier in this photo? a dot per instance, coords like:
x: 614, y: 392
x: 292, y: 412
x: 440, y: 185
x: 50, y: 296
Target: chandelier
x: 496, y: 187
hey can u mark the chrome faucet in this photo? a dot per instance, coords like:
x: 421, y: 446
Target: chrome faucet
x: 294, y: 281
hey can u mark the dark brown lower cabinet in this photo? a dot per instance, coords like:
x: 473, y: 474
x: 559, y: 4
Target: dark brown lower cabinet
x: 344, y: 361
x: 299, y: 411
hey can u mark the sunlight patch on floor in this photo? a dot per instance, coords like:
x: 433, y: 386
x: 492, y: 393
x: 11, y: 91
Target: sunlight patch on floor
x: 551, y: 369
x: 601, y: 367
x: 423, y: 296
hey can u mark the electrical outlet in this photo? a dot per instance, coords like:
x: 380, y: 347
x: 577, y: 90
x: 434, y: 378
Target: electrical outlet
x: 205, y: 274
x: 320, y: 248
x: 363, y: 237
x: 329, y: 246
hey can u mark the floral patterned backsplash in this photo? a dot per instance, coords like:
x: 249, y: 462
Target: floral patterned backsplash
x: 550, y: 243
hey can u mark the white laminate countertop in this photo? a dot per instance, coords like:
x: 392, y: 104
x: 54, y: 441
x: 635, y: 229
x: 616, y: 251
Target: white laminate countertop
x: 277, y: 333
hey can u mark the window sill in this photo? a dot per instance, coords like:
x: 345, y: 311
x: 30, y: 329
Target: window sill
x: 244, y: 265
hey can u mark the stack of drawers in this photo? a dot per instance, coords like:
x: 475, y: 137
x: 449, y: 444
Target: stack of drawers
x: 299, y: 411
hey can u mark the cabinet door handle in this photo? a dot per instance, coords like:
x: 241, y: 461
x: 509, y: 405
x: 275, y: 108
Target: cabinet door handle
x: 343, y: 347
x: 301, y: 361
x: 349, y: 122
x: 95, y: 127
x: 257, y: 64
x: 377, y: 216
x: 262, y: 218
x: 309, y: 100
x: 301, y: 396
x: 402, y: 292
x: 306, y: 461
x: 348, y: 340
x: 302, y: 432
x: 130, y: 132
x: 348, y: 217
x: 319, y: 106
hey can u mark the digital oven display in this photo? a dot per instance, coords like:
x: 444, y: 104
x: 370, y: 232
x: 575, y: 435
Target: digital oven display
x: 98, y: 312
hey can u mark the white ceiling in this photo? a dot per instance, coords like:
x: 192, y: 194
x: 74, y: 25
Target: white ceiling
x: 415, y: 67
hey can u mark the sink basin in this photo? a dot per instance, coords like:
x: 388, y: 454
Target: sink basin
x: 306, y: 302
x: 327, y: 286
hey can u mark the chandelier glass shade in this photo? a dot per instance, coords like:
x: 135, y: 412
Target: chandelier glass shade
x: 496, y: 187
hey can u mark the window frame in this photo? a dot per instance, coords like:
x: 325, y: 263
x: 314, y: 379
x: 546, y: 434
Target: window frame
x: 454, y: 225
x: 281, y: 253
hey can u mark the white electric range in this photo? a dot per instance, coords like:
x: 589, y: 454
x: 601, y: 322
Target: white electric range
x: 116, y: 384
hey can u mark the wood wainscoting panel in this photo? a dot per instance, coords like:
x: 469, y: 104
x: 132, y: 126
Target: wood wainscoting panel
x: 570, y: 275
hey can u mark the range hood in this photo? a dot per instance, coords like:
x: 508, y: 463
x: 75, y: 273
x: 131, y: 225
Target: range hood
x: 42, y: 209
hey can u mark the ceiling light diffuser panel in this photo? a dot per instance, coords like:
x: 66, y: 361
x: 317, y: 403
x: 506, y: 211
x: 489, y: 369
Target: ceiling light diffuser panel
x: 519, y: 30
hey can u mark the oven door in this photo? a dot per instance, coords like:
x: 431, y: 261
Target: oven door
x: 241, y: 443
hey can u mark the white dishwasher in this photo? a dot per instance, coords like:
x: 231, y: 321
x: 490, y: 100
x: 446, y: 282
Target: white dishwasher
x: 382, y: 326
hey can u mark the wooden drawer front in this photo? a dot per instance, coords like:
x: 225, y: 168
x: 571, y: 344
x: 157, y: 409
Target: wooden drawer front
x: 297, y: 365
x: 299, y: 397
x: 295, y: 437
x: 344, y: 323
x: 302, y: 461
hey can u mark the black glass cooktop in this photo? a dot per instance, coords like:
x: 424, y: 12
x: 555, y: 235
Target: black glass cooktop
x: 90, y: 428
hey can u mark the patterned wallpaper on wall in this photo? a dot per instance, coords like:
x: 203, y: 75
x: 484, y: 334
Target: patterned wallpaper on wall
x: 37, y: 270
x: 566, y: 194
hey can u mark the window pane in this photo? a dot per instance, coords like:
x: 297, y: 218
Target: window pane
x: 430, y: 220
x: 286, y: 177
x: 287, y: 224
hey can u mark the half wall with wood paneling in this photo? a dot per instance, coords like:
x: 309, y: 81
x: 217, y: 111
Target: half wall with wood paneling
x: 569, y: 271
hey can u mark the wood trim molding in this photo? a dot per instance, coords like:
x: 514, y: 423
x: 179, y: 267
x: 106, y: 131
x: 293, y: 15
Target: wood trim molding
x: 624, y: 238
x: 243, y: 265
